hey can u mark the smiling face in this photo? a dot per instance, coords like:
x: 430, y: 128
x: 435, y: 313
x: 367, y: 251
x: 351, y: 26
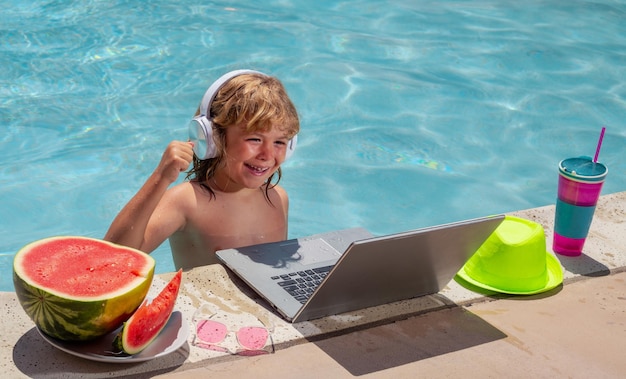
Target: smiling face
x: 253, y: 119
x: 251, y: 157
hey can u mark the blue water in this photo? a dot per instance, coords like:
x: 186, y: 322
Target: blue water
x: 413, y: 113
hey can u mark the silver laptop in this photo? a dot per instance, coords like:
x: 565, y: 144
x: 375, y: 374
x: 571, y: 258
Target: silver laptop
x: 341, y: 271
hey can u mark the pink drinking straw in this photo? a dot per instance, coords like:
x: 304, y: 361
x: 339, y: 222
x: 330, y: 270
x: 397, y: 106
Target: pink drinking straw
x: 595, y: 158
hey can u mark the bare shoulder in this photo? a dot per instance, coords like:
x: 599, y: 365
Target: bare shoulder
x: 182, y: 195
x: 278, y: 193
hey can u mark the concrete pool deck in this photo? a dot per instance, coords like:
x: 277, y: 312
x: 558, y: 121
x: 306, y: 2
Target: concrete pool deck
x: 575, y: 330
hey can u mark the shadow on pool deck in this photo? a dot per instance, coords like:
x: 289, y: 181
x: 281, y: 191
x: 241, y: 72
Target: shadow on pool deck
x: 580, y: 332
x: 452, y: 330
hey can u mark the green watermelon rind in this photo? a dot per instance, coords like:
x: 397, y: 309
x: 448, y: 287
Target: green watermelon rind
x: 73, y: 318
x: 140, y: 330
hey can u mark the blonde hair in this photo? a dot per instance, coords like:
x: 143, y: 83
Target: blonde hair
x: 257, y: 101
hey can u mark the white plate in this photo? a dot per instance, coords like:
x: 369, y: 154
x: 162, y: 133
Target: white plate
x: 171, y: 338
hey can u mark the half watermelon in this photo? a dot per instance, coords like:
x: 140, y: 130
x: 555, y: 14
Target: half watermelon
x: 148, y: 321
x: 78, y: 288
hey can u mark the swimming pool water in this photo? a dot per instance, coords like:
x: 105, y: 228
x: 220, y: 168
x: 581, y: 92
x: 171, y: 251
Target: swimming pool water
x: 413, y: 113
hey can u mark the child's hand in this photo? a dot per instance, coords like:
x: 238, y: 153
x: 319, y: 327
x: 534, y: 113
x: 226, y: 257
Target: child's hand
x: 176, y: 159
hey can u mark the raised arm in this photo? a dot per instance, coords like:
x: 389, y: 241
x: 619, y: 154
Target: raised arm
x: 130, y: 226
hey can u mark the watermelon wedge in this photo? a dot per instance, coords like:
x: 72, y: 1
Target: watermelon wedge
x: 78, y: 288
x: 149, y: 319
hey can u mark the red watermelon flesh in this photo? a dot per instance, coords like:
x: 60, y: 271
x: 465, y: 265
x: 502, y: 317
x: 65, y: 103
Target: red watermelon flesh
x: 78, y: 288
x: 149, y: 319
x: 75, y: 268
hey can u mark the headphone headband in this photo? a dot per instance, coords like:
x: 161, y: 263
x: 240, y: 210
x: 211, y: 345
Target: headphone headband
x: 201, y: 126
x: 210, y: 93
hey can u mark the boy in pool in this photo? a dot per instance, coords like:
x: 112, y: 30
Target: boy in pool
x: 227, y: 201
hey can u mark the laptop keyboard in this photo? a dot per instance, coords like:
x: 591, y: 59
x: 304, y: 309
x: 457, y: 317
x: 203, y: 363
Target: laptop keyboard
x: 302, y: 284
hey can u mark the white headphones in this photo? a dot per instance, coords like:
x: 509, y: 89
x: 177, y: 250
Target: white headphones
x: 201, y: 126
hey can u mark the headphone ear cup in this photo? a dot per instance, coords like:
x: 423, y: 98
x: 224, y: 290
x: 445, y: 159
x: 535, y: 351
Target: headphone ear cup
x: 291, y: 147
x: 201, y: 134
